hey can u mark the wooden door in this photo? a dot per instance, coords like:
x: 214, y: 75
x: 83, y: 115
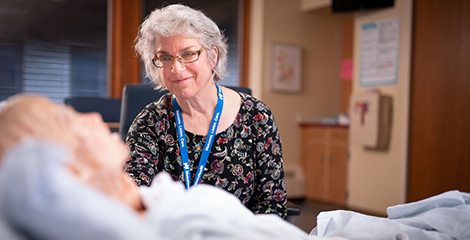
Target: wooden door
x: 439, y: 153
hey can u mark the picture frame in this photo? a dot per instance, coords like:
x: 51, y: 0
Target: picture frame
x: 286, y: 67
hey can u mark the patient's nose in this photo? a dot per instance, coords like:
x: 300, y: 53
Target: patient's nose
x: 95, y: 119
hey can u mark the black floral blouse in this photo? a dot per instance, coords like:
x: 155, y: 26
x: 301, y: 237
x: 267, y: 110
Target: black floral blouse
x: 245, y: 159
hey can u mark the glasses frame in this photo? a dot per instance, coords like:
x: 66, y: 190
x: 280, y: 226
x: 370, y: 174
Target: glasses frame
x: 178, y: 57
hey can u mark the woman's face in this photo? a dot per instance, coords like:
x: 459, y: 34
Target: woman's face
x: 185, y: 80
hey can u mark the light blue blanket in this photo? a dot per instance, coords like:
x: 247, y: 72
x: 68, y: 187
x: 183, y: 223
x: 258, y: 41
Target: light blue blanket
x: 444, y: 216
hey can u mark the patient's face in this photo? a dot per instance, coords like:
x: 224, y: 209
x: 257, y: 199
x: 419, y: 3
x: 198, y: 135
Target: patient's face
x: 106, y: 155
x: 96, y: 155
x: 96, y: 140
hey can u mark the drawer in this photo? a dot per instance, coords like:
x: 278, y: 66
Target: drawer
x: 339, y: 135
x: 314, y: 133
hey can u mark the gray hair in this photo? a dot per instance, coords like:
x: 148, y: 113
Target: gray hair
x: 175, y: 20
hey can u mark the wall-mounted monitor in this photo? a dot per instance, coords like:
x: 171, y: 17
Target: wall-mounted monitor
x: 354, y: 5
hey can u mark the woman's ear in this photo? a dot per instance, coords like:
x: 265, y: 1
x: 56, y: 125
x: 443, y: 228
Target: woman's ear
x: 215, y: 55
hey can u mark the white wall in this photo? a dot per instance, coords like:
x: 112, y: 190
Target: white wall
x: 308, y: 5
x: 255, y: 68
x: 378, y: 179
x: 318, y: 34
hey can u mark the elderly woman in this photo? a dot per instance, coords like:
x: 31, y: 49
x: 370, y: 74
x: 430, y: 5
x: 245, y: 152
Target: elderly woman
x: 201, y: 132
x: 86, y: 135
x: 59, y: 170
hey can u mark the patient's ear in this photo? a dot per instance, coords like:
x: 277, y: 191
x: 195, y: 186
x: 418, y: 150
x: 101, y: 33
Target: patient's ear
x: 80, y: 171
x: 84, y: 168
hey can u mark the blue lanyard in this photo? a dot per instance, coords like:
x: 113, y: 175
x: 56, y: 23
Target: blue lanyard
x: 207, y: 145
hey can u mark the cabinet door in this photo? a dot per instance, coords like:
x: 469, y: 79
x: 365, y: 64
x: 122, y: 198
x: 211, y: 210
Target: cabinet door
x: 313, y: 162
x: 337, y: 174
x: 315, y: 185
x: 338, y: 166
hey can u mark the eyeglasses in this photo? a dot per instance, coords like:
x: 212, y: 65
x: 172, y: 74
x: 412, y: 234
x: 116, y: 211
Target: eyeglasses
x: 168, y: 60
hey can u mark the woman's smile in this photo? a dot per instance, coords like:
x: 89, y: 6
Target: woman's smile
x: 181, y: 80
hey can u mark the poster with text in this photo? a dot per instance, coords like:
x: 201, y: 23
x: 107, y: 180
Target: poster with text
x: 379, y: 45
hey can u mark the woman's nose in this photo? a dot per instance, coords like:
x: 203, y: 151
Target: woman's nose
x: 177, y: 66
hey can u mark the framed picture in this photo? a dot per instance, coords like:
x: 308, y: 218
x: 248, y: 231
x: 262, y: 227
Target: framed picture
x: 286, y: 67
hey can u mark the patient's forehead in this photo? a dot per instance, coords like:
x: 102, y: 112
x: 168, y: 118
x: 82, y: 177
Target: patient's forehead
x: 24, y: 101
x: 22, y: 105
x: 56, y: 109
x: 30, y: 116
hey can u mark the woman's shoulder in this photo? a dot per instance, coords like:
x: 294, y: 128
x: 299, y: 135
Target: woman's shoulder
x: 164, y: 103
x: 252, y: 104
x: 157, y: 109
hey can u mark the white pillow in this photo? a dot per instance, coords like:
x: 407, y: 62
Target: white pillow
x: 40, y: 198
x: 7, y: 232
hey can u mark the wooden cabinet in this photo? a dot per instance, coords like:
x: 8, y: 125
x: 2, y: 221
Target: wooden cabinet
x: 324, y: 153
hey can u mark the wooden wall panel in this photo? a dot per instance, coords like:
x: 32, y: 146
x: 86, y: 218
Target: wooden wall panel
x: 245, y: 42
x: 440, y: 99
x: 124, y: 18
x: 346, y: 54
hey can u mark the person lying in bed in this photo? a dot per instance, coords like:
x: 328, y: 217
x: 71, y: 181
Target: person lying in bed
x: 61, y: 177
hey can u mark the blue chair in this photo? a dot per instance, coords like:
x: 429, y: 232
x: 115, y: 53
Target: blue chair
x: 136, y: 96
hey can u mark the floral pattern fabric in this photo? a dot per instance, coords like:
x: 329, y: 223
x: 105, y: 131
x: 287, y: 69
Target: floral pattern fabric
x: 245, y: 159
